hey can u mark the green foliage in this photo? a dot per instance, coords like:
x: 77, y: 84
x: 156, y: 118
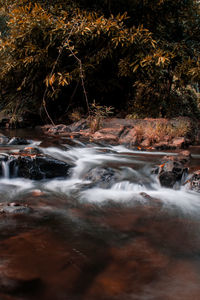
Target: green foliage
x: 141, y: 61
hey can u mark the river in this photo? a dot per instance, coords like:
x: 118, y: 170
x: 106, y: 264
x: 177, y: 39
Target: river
x: 81, y: 241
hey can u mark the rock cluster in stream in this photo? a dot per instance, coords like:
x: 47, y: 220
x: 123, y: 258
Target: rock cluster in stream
x: 174, y: 172
x: 32, y: 163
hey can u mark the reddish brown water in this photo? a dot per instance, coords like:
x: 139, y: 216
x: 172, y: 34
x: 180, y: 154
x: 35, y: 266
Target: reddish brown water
x: 91, y: 252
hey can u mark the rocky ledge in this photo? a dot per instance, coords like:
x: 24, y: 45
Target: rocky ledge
x: 31, y: 163
x: 159, y: 134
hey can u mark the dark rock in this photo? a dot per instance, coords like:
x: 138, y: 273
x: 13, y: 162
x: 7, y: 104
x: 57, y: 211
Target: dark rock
x: 167, y: 179
x: 77, y: 126
x: 18, y: 141
x: 194, y: 182
x: 171, y: 172
x: 31, y: 151
x: 61, y: 128
x: 19, y: 286
x: 4, y: 122
x: 4, y: 140
x: 102, y: 177
x: 163, y: 146
x: 33, y: 164
x: 41, y: 167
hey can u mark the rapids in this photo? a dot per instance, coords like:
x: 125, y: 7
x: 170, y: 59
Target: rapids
x: 84, y: 240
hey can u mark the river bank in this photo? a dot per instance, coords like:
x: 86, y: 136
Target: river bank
x: 155, y: 134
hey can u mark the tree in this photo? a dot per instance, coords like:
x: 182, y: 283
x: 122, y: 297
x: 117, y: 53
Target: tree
x: 58, y: 55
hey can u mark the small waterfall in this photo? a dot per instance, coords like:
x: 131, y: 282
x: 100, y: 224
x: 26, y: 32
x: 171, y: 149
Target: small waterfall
x: 5, y: 169
x: 9, y: 169
x: 128, y: 186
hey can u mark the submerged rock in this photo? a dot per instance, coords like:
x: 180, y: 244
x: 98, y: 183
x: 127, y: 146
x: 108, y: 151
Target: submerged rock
x: 102, y: 177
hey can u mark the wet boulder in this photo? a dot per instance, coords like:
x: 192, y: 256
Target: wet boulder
x: 167, y: 179
x: 171, y: 172
x: 194, y: 182
x: 102, y: 177
x: 18, y: 141
x: 40, y: 167
x: 31, y: 163
x: 4, y: 140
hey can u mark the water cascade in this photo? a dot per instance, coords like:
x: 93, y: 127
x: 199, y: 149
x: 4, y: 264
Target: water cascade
x: 107, y: 230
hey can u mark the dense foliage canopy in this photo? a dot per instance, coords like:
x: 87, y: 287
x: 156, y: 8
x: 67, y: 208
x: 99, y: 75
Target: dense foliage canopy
x: 141, y: 57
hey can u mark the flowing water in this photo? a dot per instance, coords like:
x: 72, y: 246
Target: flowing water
x: 81, y: 241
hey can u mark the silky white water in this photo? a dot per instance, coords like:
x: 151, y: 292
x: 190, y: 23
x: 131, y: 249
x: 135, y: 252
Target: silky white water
x: 132, y: 168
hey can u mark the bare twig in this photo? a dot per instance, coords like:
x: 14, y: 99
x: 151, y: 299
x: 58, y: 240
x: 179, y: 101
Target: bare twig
x: 72, y: 96
x: 52, y: 71
x: 81, y: 74
x: 45, y: 92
